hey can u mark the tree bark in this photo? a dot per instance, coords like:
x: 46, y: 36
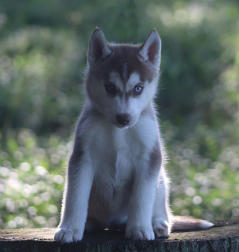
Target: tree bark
x: 223, y: 237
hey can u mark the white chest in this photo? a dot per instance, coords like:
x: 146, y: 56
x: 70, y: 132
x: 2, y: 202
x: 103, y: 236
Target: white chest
x: 115, y: 152
x: 112, y: 155
x: 115, y: 155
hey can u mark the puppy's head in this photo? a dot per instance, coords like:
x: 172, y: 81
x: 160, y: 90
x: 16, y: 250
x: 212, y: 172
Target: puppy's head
x: 122, y: 79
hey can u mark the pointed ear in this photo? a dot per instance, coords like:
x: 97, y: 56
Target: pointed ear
x: 98, y: 47
x: 150, y: 51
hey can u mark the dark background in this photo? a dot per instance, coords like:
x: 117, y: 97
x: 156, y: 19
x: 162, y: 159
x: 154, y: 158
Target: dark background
x: 42, y: 58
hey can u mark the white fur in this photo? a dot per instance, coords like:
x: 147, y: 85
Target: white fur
x: 132, y: 81
x: 76, y: 203
x: 206, y: 224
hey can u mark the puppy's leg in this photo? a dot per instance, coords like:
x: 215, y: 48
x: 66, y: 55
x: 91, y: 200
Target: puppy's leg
x: 74, y: 209
x: 139, y: 224
x: 162, y: 215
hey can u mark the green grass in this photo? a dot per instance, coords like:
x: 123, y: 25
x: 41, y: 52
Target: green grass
x: 31, y: 181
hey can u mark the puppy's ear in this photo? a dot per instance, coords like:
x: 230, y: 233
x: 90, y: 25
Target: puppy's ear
x: 150, y: 51
x: 98, y: 47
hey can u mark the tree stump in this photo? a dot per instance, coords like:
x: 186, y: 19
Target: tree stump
x: 223, y: 237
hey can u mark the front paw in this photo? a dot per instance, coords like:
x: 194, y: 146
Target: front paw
x: 66, y: 235
x: 140, y: 233
x: 161, y: 227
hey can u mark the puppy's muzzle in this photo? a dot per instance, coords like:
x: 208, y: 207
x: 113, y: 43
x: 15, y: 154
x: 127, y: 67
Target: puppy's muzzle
x: 123, y: 119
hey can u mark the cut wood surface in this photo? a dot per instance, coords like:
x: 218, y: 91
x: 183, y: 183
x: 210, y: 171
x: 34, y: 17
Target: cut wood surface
x: 223, y: 237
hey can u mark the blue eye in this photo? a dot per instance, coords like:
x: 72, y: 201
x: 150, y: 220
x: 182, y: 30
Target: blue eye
x: 138, y: 89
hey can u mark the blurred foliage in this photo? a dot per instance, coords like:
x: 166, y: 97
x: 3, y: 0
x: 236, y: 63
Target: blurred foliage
x: 43, y: 48
x: 30, y: 191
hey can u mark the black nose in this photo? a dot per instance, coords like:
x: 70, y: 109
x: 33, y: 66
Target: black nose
x: 123, y: 119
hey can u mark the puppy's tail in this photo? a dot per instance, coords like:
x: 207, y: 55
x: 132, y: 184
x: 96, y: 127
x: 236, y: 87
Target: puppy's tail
x: 185, y: 223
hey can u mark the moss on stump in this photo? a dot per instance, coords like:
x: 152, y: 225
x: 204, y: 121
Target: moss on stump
x: 222, y: 237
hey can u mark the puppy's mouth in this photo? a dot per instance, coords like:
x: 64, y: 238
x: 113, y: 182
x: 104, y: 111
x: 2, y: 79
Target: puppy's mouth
x: 125, y: 126
x: 122, y: 126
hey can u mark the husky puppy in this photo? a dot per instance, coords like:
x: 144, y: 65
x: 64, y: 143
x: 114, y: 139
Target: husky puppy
x: 116, y: 174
